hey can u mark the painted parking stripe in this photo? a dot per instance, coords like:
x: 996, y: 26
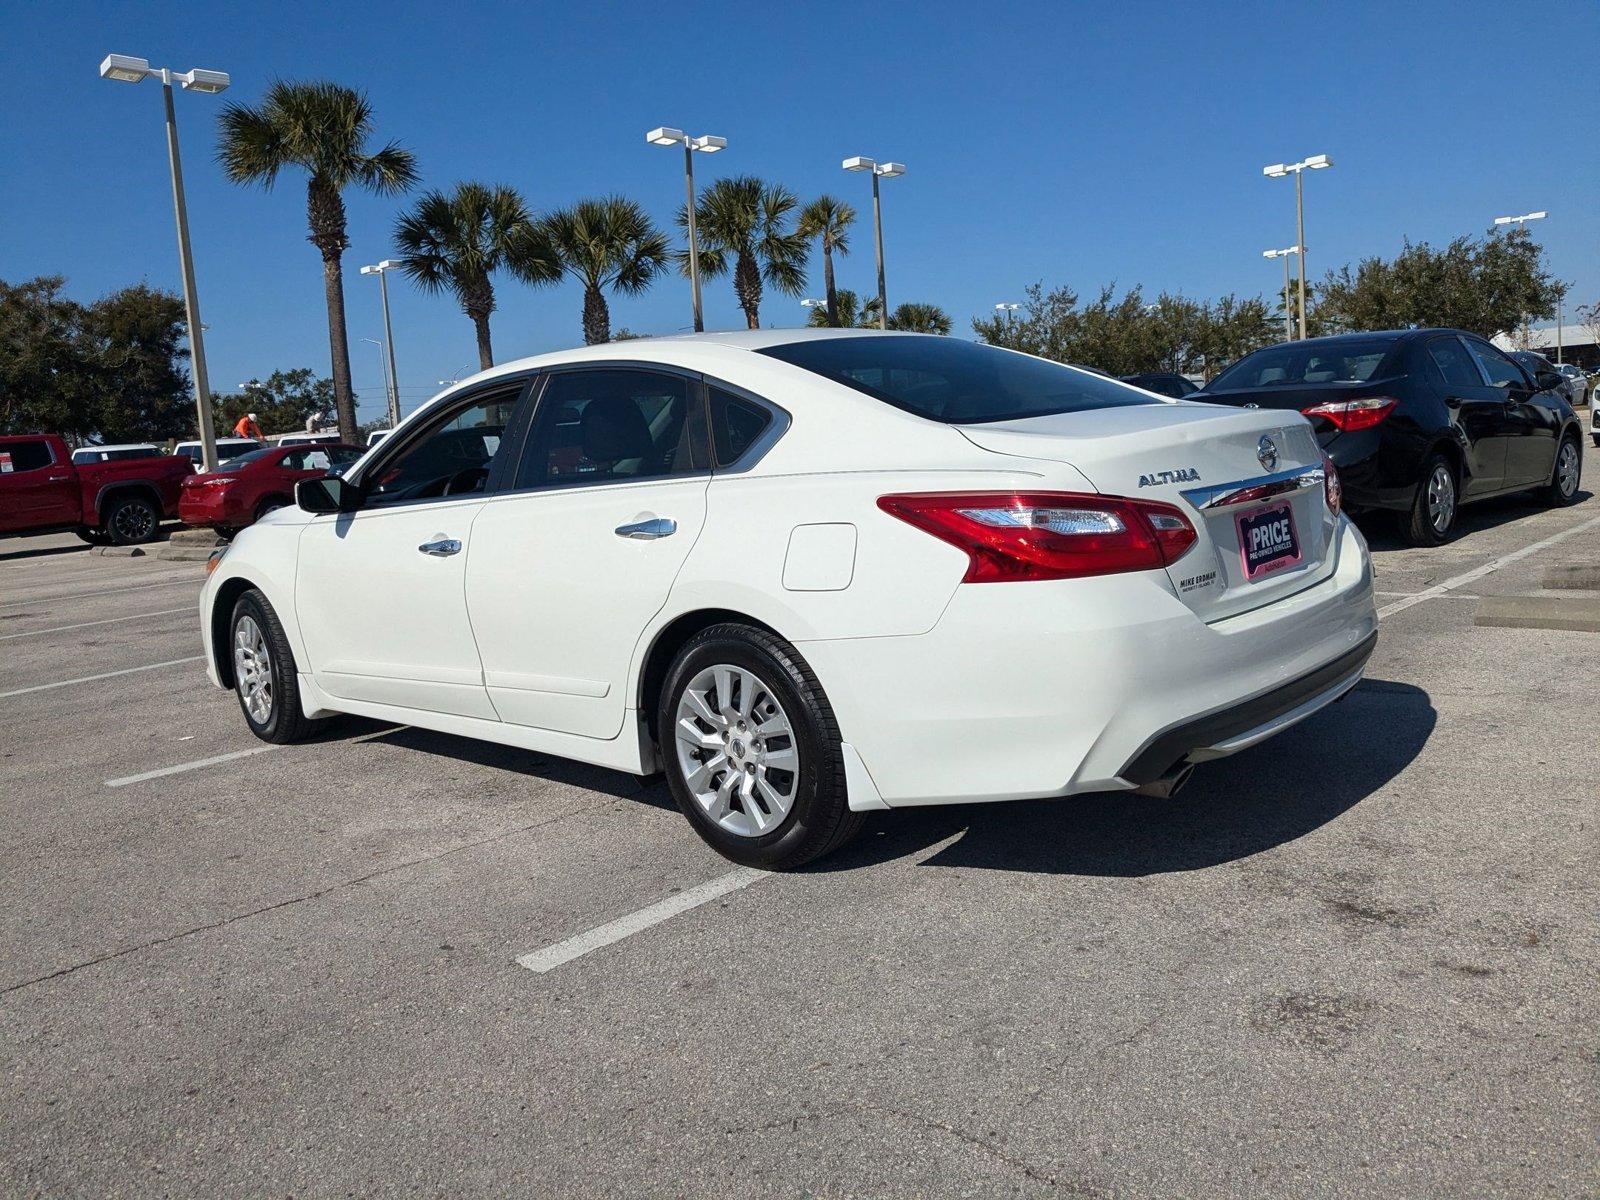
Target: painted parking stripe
x: 612, y: 932
x: 61, y: 683
x: 196, y: 765
x: 116, y: 591
x: 1505, y: 560
x: 165, y: 612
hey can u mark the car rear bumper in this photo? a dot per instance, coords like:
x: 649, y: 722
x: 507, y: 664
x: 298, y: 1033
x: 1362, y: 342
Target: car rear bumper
x: 1051, y: 689
x: 197, y: 507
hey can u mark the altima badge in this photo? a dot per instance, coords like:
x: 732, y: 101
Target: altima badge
x: 1181, y: 475
x: 1267, y: 452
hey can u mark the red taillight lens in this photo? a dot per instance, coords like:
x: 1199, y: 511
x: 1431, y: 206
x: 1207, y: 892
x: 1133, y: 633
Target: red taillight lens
x: 1351, y: 415
x: 1048, y: 535
x: 1332, y: 489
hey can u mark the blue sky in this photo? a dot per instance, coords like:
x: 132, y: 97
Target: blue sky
x: 1063, y: 143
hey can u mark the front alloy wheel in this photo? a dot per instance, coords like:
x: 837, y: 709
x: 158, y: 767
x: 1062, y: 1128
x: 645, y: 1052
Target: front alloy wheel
x: 264, y: 674
x: 252, y: 670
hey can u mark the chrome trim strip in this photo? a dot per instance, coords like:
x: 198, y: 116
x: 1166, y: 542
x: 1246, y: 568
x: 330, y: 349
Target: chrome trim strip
x: 1252, y: 491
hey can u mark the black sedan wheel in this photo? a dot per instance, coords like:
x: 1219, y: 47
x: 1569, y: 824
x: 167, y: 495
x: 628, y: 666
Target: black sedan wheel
x: 1567, y: 473
x: 1433, y: 512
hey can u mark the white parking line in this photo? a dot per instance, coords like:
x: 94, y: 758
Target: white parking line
x: 165, y: 612
x: 116, y: 591
x: 189, y: 766
x: 1505, y: 560
x: 61, y: 683
x: 601, y: 936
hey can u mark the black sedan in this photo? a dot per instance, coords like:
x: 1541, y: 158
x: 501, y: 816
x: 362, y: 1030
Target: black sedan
x: 1162, y: 383
x: 1419, y: 421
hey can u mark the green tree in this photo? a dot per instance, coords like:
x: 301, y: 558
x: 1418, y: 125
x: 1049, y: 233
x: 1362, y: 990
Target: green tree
x: 139, y: 383
x: 848, y: 307
x: 746, y: 224
x: 1486, y: 285
x: 323, y: 129
x: 456, y: 241
x: 828, y: 219
x: 43, y: 382
x: 281, y: 402
x: 605, y: 243
x: 911, y: 317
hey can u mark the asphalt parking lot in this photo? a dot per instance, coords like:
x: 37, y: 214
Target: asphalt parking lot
x: 1358, y: 959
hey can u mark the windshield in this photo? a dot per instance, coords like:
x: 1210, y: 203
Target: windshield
x: 955, y: 381
x: 1310, y: 362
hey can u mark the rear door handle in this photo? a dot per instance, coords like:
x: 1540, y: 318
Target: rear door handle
x: 648, y: 531
x: 441, y: 547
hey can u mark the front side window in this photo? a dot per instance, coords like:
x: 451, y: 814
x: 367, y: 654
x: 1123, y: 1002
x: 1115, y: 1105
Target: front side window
x: 1454, y: 363
x: 1502, y: 372
x: 24, y: 456
x: 612, y: 426
x: 735, y: 424
x: 955, y: 381
x: 451, y: 459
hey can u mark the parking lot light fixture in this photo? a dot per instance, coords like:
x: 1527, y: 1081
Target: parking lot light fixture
x: 1522, y: 220
x: 666, y: 135
x: 381, y: 271
x: 889, y: 170
x: 123, y: 68
x: 1288, y: 316
x: 1315, y: 162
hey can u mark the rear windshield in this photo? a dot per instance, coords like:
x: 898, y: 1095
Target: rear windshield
x: 955, y: 381
x: 244, y: 460
x: 1276, y: 366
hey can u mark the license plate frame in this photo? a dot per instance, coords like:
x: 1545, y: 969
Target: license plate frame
x: 1271, y: 552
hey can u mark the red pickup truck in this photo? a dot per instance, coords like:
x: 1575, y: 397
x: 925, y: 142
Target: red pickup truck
x: 121, y: 501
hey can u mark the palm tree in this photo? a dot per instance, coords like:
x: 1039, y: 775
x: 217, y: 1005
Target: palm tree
x: 322, y: 128
x: 911, y: 317
x: 454, y: 242
x: 848, y: 309
x: 748, y: 221
x: 605, y: 243
x: 829, y: 219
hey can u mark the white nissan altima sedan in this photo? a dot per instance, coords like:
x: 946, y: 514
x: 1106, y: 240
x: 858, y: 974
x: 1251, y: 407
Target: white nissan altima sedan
x: 809, y: 574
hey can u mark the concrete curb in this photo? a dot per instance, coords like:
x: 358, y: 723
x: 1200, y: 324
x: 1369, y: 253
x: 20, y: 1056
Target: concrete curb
x: 1581, y: 575
x: 119, y: 551
x: 1578, y: 612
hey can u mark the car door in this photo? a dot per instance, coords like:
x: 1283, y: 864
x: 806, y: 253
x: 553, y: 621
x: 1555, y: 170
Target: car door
x: 35, y: 490
x: 1530, y: 431
x: 569, y: 566
x: 1477, y: 408
x: 380, y: 592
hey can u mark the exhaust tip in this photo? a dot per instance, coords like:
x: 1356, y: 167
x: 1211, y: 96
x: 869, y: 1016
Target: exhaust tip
x: 1169, y: 784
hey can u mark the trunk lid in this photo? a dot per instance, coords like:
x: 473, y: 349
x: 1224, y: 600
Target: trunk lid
x: 1301, y: 396
x: 1207, y: 460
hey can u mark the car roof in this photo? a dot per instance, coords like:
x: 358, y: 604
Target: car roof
x: 119, y: 446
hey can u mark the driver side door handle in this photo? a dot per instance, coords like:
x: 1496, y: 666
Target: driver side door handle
x: 648, y: 531
x: 441, y: 547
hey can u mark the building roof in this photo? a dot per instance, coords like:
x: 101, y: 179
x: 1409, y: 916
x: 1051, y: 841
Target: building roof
x: 1572, y: 336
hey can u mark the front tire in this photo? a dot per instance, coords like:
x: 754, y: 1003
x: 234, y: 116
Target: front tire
x: 131, y: 520
x: 1565, y: 475
x: 1432, y: 520
x: 264, y: 675
x: 750, y: 747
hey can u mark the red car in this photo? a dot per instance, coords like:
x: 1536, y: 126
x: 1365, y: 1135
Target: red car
x: 252, y: 485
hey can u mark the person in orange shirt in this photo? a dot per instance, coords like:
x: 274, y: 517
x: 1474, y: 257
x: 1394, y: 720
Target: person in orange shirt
x: 247, y: 427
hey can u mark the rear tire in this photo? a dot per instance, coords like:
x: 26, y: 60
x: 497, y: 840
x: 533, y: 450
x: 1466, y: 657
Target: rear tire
x: 264, y: 674
x: 727, y: 757
x: 1565, y: 474
x: 1432, y: 520
x: 131, y: 520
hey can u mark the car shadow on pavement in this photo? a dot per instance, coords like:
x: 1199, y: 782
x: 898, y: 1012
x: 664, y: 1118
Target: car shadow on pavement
x: 1382, y: 529
x: 43, y: 552
x: 1234, y: 807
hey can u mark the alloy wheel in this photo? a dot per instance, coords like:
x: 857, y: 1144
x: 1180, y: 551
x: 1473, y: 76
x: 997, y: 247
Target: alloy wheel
x: 133, y: 522
x: 736, y: 749
x: 1567, y: 467
x: 252, y: 669
x: 1441, y: 499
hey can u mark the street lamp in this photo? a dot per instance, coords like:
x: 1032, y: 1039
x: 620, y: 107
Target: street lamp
x: 388, y: 382
x: 1288, y: 316
x: 125, y: 69
x: 1277, y: 171
x: 812, y: 306
x: 380, y: 269
x: 1008, y: 314
x: 706, y: 144
x: 885, y: 171
x: 1522, y: 223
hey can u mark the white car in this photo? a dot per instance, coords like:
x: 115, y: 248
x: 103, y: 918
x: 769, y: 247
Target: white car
x: 97, y: 454
x: 305, y: 439
x: 227, y: 448
x: 809, y: 574
x: 376, y: 436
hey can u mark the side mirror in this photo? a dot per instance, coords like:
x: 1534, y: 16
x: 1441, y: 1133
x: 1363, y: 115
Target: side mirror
x: 1547, y: 381
x: 329, y: 494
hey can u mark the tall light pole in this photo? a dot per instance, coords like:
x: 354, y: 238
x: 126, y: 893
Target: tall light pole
x: 812, y: 306
x: 383, y: 368
x: 706, y: 144
x: 1008, y: 314
x: 124, y: 69
x: 879, y: 171
x: 381, y: 270
x: 1277, y: 171
x: 1288, y: 313
x: 1521, y: 222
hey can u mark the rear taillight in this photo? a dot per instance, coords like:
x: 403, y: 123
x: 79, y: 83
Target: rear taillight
x: 1350, y: 415
x: 1331, y: 487
x: 1048, y: 535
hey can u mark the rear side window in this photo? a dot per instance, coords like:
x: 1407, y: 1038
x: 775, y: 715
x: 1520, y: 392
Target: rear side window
x: 1307, y: 362
x: 24, y: 456
x: 955, y: 381
x: 735, y: 425
x: 1454, y: 363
